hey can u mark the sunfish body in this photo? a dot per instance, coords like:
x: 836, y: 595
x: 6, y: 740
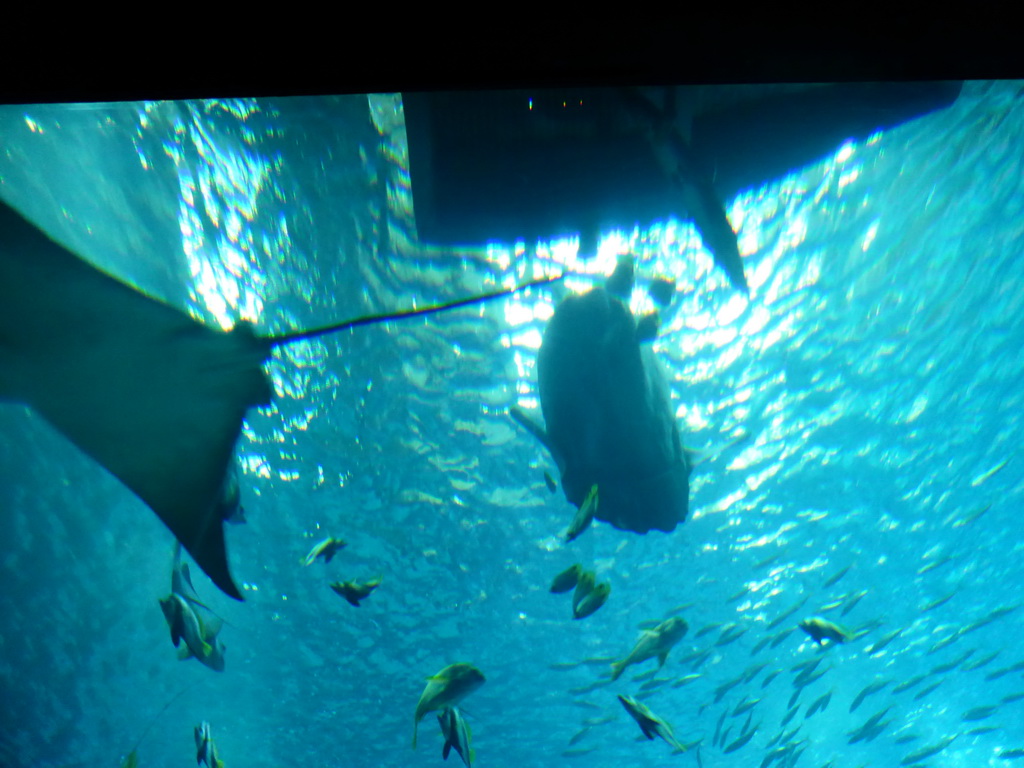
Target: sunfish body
x: 607, y: 411
x: 456, y: 735
x: 656, y: 643
x: 446, y: 689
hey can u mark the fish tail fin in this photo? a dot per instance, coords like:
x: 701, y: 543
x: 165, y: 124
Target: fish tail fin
x: 617, y: 668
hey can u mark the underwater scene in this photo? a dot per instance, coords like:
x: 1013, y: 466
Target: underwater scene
x: 715, y: 463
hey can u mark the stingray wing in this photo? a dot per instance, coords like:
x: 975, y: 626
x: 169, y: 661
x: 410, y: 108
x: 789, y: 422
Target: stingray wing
x: 154, y: 396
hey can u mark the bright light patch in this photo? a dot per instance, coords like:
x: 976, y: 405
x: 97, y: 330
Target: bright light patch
x: 845, y: 152
x: 869, y: 237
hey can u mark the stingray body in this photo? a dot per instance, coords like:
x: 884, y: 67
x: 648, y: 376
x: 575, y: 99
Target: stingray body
x: 607, y: 413
x: 151, y: 394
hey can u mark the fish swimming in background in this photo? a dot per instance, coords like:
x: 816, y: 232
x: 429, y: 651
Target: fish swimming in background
x: 654, y: 644
x: 354, y: 591
x: 584, y: 516
x: 584, y: 586
x: 206, y: 750
x: 446, y: 689
x: 326, y: 549
x: 154, y: 396
x: 591, y: 601
x: 820, y: 630
x: 184, y: 625
x: 607, y: 410
x: 650, y: 724
x: 456, y: 734
x: 208, y: 649
x: 567, y: 579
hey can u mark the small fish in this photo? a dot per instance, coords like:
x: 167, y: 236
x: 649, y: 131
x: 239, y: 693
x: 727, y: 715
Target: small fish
x: 653, y: 685
x: 446, y: 689
x: 926, y: 691
x: 769, y: 677
x: 851, y: 603
x: 725, y: 687
x: 567, y: 579
x: 745, y: 706
x: 753, y: 671
x: 939, y: 601
x: 821, y: 630
x: 780, y: 637
x: 592, y: 601
x: 214, y: 659
x: 184, y: 624
x: 978, y: 713
x: 790, y: 714
x: 729, y: 636
x: 326, y: 549
x: 982, y: 730
x: 819, y: 704
x: 787, y: 613
x: 549, y: 481
x: 686, y: 680
x: 908, y: 684
x: 926, y: 752
x: 986, y: 475
x: 456, y: 734
x: 834, y: 578
x: 969, y: 518
x: 733, y: 598
x: 650, y: 724
x: 1011, y: 754
x: 868, y: 690
x: 206, y: 750
x: 584, y: 515
x: 579, y: 736
x: 718, y: 729
x: 740, y: 742
x: 584, y: 586
x: 354, y: 591
x: 654, y: 644
x: 983, y: 661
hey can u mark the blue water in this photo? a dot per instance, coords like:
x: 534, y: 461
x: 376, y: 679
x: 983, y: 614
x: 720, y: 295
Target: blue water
x: 855, y: 413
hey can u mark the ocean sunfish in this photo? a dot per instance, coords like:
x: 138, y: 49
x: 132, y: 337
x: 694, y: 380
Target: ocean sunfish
x: 154, y: 396
x: 607, y: 410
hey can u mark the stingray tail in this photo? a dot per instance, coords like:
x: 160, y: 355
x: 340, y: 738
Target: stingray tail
x: 402, y: 315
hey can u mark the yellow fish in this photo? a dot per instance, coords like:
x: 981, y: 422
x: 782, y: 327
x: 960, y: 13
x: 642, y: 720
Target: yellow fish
x: 445, y: 689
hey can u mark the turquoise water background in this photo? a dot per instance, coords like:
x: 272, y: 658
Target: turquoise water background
x: 861, y: 411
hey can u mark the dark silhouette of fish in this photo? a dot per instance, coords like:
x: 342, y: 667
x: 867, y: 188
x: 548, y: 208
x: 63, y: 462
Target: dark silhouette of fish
x: 154, y: 396
x: 545, y: 163
x: 607, y: 411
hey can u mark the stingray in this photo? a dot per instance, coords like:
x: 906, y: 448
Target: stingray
x: 608, y: 418
x: 154, y: 396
